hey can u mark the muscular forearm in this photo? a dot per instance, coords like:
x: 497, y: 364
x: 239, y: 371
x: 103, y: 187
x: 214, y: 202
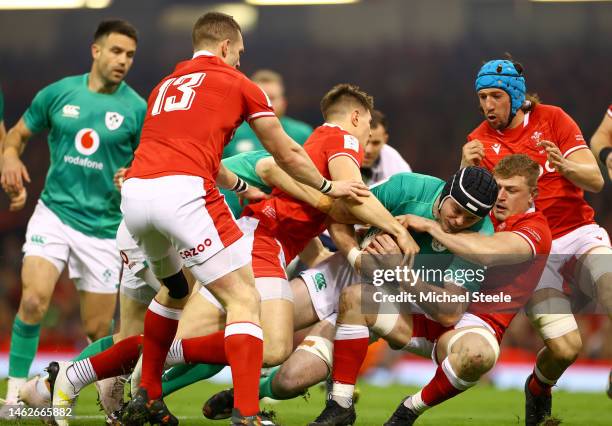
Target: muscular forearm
x: 371, y: 212
x: 294, y: 160
x: 14, y: 144
x: 343, y: 236
x: 585, y: 176
x: 226, y: 179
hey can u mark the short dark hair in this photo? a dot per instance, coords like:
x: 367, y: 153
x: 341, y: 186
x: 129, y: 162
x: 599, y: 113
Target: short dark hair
x: 379, y: 119
x: 518, y: 165
x: 118, y: 26
x: 342, y: 96
x: 214, y: 27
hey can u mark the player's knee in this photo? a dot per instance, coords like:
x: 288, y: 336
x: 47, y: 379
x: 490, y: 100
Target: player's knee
x: 33, y: 307
x: 478, y: 360
x: 96, y: 328
x: 276, y: 353
x: 291, y: 380
x: 566, y: 348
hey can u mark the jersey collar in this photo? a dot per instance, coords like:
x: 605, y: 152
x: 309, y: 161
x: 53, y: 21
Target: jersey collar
x: 202, y: 53
x: 333, y: 125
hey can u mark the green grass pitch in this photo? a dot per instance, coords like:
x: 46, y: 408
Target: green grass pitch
x: 482, y: 405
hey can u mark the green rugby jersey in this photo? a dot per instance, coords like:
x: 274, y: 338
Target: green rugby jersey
x: 413, y: 193
x: 245, y: 140
x: 244, y: 166
x: 91, y: 135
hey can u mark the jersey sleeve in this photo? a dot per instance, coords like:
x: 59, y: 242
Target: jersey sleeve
x: 344, y: 144
x: 255, y: 101
x: 38, y: 117
x: 610, y: 111
x: 534, y: 230
x: 569, y: 136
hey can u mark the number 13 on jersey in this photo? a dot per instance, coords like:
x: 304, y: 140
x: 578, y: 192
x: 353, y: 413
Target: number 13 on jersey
x: 185, y: 84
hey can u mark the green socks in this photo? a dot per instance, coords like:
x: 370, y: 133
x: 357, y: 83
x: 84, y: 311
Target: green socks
x: 183, y: 375
x: 24, y: 343
x: 95, y: 348
x: 265, y: 385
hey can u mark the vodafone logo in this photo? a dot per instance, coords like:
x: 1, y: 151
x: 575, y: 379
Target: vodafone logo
x: 87, y: 141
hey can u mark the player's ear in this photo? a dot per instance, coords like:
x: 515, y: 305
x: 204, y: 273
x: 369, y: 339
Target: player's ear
x: 95, y: 51
x: 534, y: 195
x: 355, y: 117
x: 225, y: 47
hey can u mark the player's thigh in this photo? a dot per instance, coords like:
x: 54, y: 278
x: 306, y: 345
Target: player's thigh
x: 304, y: 312
x: 202, y: 315
x: 236, y: 291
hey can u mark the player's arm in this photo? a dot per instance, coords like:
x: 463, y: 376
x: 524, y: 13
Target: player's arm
x: 292, y: 158
x: 601, y: 142
x: 501, y: 248
x: 446, y: 313
x: 13, y: 170
x: 273, y: 175
x: 368, y: 209
x: 314, y: 253
x: 227, y: 179
x: 580, y: 167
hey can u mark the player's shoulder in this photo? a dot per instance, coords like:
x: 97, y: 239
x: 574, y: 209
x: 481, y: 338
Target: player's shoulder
x: 533, y: 223
x: 67, y: 83
x: 327, y: 132
x: 548, y: 111
x: 482, y: 129
x: 412, y: 181
x: 133, y: 96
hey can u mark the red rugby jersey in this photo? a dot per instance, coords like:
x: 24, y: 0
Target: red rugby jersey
x: 519, y: 280
x: 561, y: 201
x: 294, y: 222
x: 192, y: 115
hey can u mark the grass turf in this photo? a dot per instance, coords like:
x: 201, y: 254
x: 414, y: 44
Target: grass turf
x: 482, y: 405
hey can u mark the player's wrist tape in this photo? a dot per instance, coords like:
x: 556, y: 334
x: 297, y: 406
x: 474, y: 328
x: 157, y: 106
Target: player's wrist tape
x: 240, y: 186
x: 326, y: 186
x: 603, y: 154
x: 352, y: 256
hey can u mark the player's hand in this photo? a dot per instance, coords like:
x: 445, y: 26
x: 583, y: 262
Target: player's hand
x: 252, y: 195
x: 409, y: 247
x: 382, y: 244
x: 119, y: 177
x: 350, y: 189
x: 472, y: 153
x: 18, y: 200
x: 554, y: 156
x: 14, y: 172
x: 415, y: 223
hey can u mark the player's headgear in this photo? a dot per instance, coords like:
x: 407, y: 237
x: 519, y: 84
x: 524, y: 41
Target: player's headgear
x: 473, y: 188
x: 503, y: 74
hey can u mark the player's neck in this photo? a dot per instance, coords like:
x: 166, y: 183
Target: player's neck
x: 98, y: 85
x: 518, y: 119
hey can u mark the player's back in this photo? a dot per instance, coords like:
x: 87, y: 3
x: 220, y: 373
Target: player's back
x: 560, y: 200
x: 294, y: 222
x: 191, y: 116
